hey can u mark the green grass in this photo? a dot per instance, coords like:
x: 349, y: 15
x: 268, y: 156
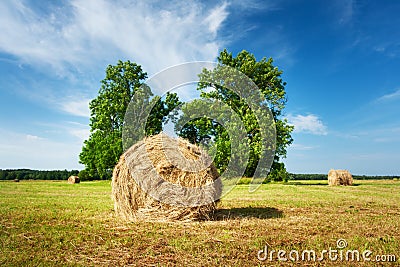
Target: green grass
x: 54, y: 223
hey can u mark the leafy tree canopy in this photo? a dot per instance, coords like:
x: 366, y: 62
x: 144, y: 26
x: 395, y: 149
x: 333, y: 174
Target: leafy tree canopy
x: 102, y: 150
x: 267, y: 77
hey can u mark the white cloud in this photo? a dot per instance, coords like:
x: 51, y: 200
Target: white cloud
x: 78, y: 130
x: 74, y: 132
x: 307, y: 124
x: 86, y: 32
x: 301, y: 147
x: 380, y: 48
x: 216, y: 17
x: 389, y: 133
x: 67, y: 45
x: 30, y: 137
x: 346, y: 11
x: 77, y: 107
x: 391, y: 96
x: 79, y: 39
x: 258, y: 5
x: 19, y: 150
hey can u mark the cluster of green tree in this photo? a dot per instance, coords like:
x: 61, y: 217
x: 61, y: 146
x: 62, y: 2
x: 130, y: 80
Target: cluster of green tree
x: 300, y: 176
x: 26, y: 174
x: 102, y: 150
x: 268, y: 96
x: 375, y: 177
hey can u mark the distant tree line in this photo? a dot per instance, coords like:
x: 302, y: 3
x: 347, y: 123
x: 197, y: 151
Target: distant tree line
x: 26, y: 174
x: 293, y: 176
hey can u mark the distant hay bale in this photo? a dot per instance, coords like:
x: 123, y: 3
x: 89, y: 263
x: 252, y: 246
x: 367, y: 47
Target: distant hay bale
x: 157, y: 164
x: 16, y: 180
x: 340, y: 177
x: 73, y: 179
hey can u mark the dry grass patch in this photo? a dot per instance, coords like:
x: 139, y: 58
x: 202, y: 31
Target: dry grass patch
x: 84, y: 230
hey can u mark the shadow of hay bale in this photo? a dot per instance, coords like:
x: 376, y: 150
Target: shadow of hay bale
x: 247, y: 212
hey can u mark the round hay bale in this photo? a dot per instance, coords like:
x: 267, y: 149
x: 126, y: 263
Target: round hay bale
x: 152, y: 183
x: 73, y: 179
x: 340, y: 177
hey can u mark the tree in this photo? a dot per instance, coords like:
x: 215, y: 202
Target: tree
x: 84, y: 176
x: 102, y: 150
x: 268, y: 80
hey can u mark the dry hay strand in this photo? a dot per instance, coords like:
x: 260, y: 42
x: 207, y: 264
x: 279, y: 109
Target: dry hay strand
x: 73, y: 180
x: 340, y: 177
x: 151, y: 182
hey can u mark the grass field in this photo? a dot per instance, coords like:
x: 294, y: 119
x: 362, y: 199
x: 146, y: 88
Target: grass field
x: 54, y: 223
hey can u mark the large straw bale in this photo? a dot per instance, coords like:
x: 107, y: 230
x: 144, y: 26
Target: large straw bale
x: 340, y: 177
x: 74, y: 179
x: 140, y: 194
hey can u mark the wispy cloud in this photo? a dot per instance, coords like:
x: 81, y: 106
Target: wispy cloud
x: 390, y: 49
x: 63, y: 47
x: 84, y: 32
x: 384, y: 134
x: 74, y: 41
x: 77, y: 130
x: 390, y: 96
x: 255, y: 5
x: 346, y: 11
x: 31, y: 137
x: 74, y: 132
x: 310, y: 124
x: 301, y: 147
x: 20, y: 150
x: 77, y: 107
x: 215, y: 18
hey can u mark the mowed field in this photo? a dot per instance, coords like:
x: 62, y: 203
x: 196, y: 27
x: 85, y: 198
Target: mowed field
x: 56, y: 224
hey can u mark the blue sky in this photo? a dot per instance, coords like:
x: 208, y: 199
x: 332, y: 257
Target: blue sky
x: 341, y: 62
